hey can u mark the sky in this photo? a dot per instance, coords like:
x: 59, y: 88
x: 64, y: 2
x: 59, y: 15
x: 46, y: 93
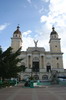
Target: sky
x: 35, y: 18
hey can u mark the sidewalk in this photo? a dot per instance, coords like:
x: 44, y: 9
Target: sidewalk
x: 46, y: 93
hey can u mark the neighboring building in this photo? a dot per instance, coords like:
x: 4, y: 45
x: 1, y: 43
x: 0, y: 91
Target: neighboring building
x: 39, y: 62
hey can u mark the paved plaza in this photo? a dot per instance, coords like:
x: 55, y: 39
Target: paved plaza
x: 45, y: 93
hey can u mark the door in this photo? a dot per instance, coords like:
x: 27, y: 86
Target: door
x: 48, y: 68
x: 35, y: 67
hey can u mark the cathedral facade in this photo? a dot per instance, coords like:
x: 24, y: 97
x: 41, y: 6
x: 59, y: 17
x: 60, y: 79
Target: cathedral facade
x: 37, y: 61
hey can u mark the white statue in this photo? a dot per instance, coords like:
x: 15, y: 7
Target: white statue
x: 35, y: 43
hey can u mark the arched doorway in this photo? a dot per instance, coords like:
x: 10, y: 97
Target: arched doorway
x: 26, y: 77
x: 36, y: 77
x: 45, y: 77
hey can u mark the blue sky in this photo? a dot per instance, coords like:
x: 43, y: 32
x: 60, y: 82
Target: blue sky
x: 36, y: 18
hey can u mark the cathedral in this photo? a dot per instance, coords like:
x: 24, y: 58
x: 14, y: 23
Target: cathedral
x: 37, y: 61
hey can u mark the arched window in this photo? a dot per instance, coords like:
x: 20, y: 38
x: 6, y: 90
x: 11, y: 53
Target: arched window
x: 36, y: 77
x: 57, y: 58
x: 26, y: 77
x: 36, y: 59
x: 44, y: 77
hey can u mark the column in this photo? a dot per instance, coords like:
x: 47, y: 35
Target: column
x: 42, y: 60
x: 40, y: 65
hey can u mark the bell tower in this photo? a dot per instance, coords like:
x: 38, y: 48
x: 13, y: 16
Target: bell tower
x: 16, y: 40
x: 54, y: 42
x: 55, y: 50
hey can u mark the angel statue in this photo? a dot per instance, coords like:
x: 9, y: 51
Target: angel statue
x: 35, y: 43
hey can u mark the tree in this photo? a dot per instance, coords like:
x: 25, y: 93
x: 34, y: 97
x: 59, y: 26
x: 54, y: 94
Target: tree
x: 0, y: 50
x: 23, y: 68
x: 9, y: 66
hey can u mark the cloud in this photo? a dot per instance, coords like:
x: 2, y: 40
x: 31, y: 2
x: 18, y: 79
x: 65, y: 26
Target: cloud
x: 57, y: 13
x: 27, y: 42
x: 27, y: 39
x: 2, y: 27
x: 29, y: 1
x: 27, y: 33
x: 41, y: 10
x: 43, y: 19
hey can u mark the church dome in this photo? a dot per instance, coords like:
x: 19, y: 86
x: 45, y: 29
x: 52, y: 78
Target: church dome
x: 54, y: 34
x: 17, y: 31
x: 53, y: 31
